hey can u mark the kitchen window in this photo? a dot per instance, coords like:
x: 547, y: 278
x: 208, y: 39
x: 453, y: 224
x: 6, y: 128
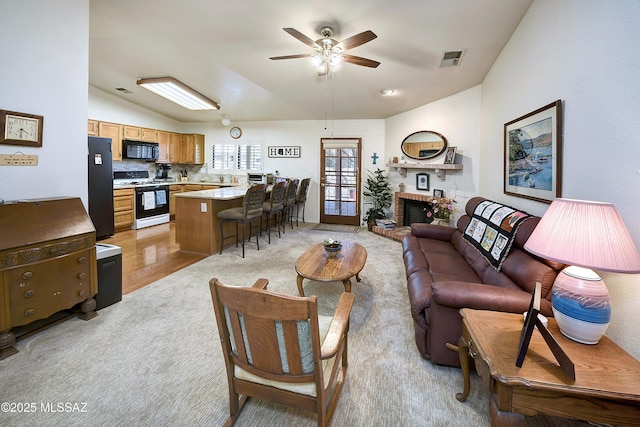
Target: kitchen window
x: 237, y: 156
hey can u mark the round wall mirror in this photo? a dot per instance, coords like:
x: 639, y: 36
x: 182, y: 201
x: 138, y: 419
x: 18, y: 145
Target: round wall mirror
x: 424, y: 145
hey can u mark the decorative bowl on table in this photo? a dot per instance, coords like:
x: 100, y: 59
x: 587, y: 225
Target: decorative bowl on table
x: 332, y: 247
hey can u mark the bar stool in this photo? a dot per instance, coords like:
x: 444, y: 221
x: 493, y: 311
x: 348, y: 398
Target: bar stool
x: 301, y: 198
x: 290, y: 201
x: 250, y: 211
x: 274, y: 206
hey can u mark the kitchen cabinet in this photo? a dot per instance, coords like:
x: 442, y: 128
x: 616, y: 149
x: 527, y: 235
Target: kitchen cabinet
x: 92, y: 128
x: 123, y: 208
x: 113, y: 131
x: 148, y: 135
x: 132, y: 132
x: 164, y: 141
x: 191, y: 149
x: 173, y: 190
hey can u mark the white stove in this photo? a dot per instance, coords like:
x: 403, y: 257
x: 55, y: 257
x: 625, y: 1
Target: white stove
x: 151, y: 205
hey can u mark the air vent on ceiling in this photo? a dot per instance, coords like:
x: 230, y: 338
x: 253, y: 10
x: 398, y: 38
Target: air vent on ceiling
x: 123, y: 90
x: 451, y: 58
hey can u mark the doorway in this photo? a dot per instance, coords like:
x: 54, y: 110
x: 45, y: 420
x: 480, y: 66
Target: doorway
x: 340, y: 180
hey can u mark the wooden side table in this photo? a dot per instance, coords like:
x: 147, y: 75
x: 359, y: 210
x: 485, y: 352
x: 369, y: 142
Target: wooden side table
x: 606, y: 388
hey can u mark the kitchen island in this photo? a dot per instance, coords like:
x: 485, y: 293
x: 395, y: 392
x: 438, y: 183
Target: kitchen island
x: 197, y: 224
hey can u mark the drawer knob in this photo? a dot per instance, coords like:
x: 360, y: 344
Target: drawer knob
x: 82, y: 276
x: 82, y: 260
x: 27, y: 275
x: 29, y: 312
x: 81, y: 292
x: 29, y: 293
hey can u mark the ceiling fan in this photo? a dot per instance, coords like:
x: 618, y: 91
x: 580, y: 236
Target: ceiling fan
x: 329, y: 52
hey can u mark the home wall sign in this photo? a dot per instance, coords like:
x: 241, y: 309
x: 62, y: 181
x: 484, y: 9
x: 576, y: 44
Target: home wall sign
x: 283, y: 151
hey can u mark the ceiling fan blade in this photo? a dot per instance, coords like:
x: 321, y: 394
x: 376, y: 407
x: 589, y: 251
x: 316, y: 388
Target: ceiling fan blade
x: 304, y: 39
x: 357, y: 60
x: 357, y: 40
x: 301, y: 55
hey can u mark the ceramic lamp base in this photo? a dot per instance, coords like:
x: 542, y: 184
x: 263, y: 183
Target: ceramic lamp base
x: 580, y: 302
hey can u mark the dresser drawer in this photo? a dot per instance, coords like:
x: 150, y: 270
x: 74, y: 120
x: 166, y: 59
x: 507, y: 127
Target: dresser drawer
x: 41, y: 289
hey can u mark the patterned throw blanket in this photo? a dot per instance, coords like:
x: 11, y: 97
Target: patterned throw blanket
x: 492, y: 229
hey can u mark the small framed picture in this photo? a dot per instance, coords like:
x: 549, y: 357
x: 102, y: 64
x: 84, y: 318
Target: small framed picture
x: 422, y: 181
x: 438, y: 193
x: 450, y: 157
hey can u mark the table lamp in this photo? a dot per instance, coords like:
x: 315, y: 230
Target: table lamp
x: 585, y: 235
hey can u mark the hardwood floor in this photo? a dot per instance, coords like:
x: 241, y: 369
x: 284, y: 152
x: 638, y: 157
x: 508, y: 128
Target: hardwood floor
x: 149, y: 254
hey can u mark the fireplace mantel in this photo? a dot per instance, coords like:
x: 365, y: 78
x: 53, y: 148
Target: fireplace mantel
x: 439, y: 169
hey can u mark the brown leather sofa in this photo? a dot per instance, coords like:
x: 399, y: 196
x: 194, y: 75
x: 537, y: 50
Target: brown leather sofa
x: 446, y: 273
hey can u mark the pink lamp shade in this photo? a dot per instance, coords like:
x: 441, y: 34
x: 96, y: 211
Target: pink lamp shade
x: 586, y: 235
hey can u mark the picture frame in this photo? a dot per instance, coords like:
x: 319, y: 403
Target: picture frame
x: 438, y: 193
x: 21, y: 129
x: 533, y: 154
x: 422, y: 181
x: 283, y: 151
x: 450, y: 156
x: 531, y: 321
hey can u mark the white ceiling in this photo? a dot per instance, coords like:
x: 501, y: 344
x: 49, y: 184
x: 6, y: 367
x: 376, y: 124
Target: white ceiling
x: 222, y: 49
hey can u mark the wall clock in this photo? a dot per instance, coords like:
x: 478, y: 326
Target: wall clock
x: 235, y: 132
x: 20, y: 128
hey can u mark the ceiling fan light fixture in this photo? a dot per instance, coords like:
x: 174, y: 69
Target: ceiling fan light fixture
x: 335, y: 60
x: 316, y: 60
x: 176, y: 91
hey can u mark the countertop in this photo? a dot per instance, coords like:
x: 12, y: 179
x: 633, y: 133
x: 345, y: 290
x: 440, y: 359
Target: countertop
x: 218, y: 184
x: 225, y: 193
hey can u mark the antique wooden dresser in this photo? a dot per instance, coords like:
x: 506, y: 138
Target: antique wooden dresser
x: 47, y: 264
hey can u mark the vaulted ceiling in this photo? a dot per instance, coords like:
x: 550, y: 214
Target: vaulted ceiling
x: 222, y: 50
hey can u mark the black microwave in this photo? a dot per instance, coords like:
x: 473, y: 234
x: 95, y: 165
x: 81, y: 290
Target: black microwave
x: 140, y: 150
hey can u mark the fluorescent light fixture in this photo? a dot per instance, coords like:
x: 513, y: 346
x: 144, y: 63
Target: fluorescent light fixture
x: 178, y: 92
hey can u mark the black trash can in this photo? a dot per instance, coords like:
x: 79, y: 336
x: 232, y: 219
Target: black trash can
x: 109, y: 275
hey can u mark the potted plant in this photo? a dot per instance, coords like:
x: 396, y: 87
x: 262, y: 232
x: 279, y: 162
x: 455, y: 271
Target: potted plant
x: 378, y: 192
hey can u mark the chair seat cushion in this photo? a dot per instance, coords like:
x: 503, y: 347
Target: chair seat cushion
x: 231, y: 213
x: 308, y: 389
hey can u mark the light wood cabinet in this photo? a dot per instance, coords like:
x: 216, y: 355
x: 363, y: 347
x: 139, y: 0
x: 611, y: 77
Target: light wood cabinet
x: 132, y: 132
x: 192, y: 149
x: 92, y: 128
x: 164, y: 141
x: 173, y: 190
x: 113, y: 131
x: 123, y: 208
x: 174, y: 146
x: 149, y: 135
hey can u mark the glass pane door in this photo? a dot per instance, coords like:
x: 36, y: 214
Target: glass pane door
x: 340, y: 181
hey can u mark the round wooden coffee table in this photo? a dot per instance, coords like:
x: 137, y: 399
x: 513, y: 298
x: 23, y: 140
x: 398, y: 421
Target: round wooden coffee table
x: 316, y: 264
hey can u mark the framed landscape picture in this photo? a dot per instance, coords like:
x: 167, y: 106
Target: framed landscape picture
x: 533, y: 154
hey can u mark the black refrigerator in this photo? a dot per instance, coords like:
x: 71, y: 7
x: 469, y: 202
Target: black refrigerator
x: 101, y: 186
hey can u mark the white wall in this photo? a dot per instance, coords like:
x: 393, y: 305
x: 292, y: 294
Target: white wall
x: 45, y: 51
x: 584, y: 52
x: 303, y: 133
x: 457, y: 118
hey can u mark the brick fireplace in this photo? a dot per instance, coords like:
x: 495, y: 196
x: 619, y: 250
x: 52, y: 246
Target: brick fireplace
x: 401, y: 230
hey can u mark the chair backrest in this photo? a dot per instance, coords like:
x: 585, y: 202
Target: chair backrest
x: 277, y: 194
x: 253, y: 200
x: 302, y: 190
x: 292, y: 190
x: 270, y: 335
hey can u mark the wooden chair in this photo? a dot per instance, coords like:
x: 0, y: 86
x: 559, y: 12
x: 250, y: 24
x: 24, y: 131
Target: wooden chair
x: 301, y: 197
x: 250, y: 211
x: 274, y: 206
x: 277, y: 348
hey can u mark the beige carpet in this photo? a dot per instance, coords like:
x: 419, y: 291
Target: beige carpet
x: 154, y: 359
x: 337, y: 228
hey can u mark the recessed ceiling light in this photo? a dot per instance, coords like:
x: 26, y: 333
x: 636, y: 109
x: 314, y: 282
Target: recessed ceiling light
x: 387, y: 91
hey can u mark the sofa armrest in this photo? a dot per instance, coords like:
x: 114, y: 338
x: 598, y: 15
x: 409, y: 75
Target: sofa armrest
x: 480, y: 296
x: 430, y: 231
